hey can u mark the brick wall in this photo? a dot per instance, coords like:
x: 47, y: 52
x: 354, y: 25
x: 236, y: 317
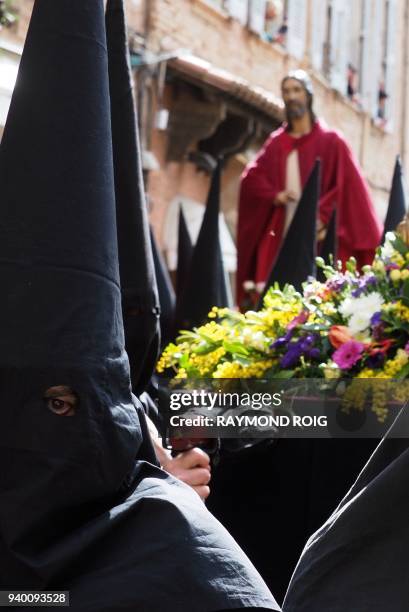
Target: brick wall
x: 211, y: 34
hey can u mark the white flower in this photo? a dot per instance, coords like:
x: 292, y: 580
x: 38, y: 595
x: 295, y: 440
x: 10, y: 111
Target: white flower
x: 360, y: 311
x: 256, y: 340
x: 347, y: 307
x: 246, y: 335
x: 387, y: 248
x: 359, y: 322
x: 371, y: 302
x: 259, y: 341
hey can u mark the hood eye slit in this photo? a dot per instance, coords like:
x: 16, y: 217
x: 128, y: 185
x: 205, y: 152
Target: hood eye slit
x: 61, y: 400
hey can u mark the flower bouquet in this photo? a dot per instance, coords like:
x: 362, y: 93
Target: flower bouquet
x: 354, y: 326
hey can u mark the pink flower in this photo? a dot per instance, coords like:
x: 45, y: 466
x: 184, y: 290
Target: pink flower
x: 407, y: 347
x: 298, y: 320
x: 348, y: 354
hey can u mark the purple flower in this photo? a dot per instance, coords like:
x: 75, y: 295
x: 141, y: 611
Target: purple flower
x: 291, y: 357
x: 348, y: 354
x: 283, y: 340
x: 376, y: 318
x: 407, y: 347
x: 375, y: 361
x: 303, y: 346
x: 363, y: 283
x: 337, y: 283
x: 306, y: 342
x: 378, y: 326
x: 314, y: 353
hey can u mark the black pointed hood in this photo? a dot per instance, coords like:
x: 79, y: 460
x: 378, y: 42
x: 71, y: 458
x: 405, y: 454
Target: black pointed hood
x: 140, y: 302
x: 397, y: 201
x: 167, y: 298
x: 184, y: 262
x: 57, y: 206
x: 296, y: 259
x: 360, y: 552
x: 185, y: 254
x: 78, y: 509
x: 206, y: 284
x: 60, y: 312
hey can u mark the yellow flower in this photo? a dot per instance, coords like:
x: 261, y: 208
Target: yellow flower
x: 328, y: 309
x: 161, y: 365
x: 205, y: 364
x: 398, y: 309
x: 397, y: 259
x: 181, y: 374
x: 378, y: 266
x: 213, y: 313
x: 331, y: 370
x: 171, y: 356
x: 238, y: 370
x: 395, y: 275
x: 214, y: 331
x: 391, y: 369
x: 401, y: 391
x: 394, y: 366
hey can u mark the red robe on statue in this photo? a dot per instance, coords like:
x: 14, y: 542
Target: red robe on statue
x: 261, y: 223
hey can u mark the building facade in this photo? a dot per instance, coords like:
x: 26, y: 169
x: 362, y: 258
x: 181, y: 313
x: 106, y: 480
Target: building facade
x: 208, y: 75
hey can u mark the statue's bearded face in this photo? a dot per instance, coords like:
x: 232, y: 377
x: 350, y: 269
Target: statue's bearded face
x: 295, y: 98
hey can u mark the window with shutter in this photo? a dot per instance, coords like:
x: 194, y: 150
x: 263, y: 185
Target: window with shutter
x: 354, y: 45
x: 390, y: 57
x: 257, y: 15
x: 355, y: 33
x: 364, y: 67
x: 239, y: 9
x: 376, y: 57
x: 339, y: 45
x: 319, y: 20
x: 371, y: 74
x: 297, y: 20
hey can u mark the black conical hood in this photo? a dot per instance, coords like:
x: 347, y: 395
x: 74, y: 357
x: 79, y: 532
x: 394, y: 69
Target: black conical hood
x: 58, y: 245
x: 330, y: 245
x: 140, y: 300
x: 296, y: 259
x: 184, y: 262
x: 167, y: 298
x: 60, y: 312
x: 206, y: 284
x: 357, y: 555
x: 185, y: 254
x: 397, y: 201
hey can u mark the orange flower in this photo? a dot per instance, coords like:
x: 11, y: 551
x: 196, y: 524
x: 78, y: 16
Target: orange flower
x: 379, y: 347
x: 325, y: 294
x: 338, y: 335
